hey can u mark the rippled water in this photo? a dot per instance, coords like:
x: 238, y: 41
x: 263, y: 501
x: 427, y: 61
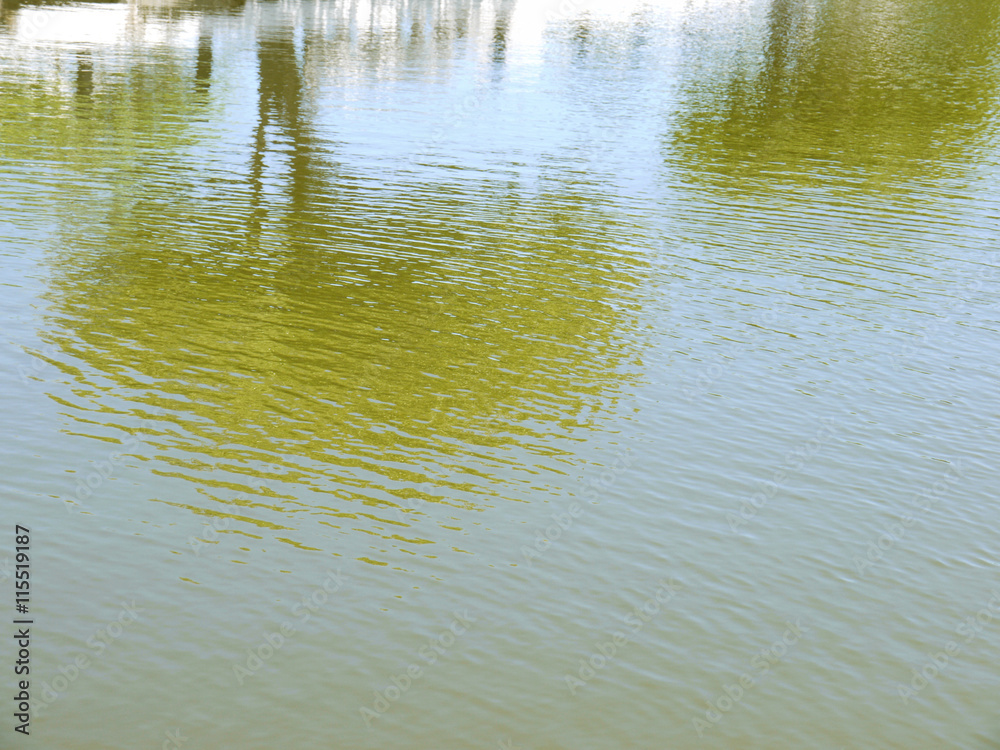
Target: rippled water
x: 392, y: 357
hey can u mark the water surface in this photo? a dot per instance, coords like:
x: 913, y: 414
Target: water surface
x: 448, y: 334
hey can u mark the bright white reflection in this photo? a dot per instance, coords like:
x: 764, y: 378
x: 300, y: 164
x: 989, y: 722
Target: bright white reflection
x: 103, y: 25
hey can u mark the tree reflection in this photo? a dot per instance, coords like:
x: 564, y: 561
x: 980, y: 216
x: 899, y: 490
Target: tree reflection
x: 884, y: 88
x: 203, y: 67
x: 501, y: 30
x: 341, y: 323
x: 84, y: 75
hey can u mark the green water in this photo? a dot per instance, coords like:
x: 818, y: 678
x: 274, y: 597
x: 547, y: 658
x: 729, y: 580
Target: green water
x: 503, y: 374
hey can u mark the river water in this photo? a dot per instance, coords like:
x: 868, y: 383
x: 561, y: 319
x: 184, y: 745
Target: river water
x: 503, y: 374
